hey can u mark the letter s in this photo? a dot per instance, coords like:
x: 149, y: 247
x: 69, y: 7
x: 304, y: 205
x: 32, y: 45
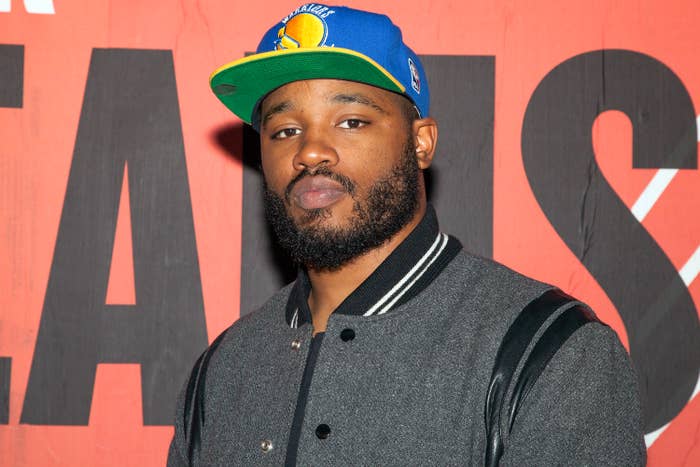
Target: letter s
x: 651, y: 298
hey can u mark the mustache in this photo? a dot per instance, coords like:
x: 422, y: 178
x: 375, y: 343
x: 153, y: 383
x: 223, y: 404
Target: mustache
x: 324, y: 171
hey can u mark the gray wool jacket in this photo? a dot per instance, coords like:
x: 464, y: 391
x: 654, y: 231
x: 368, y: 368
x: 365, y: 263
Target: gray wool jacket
x: 409, y: 389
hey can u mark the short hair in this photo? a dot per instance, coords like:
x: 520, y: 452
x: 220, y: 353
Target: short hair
x: 409, y: 110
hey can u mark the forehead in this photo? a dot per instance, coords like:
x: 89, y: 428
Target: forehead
x: 332, y: 91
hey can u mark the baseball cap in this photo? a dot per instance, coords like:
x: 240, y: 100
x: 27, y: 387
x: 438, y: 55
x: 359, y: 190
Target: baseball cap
x: 320, y: 41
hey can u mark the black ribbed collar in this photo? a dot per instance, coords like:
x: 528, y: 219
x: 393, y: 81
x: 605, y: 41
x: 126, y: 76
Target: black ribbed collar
x: 410, y: 268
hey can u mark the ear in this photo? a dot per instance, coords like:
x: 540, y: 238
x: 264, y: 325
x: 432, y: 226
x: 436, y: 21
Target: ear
x: 425, y: 134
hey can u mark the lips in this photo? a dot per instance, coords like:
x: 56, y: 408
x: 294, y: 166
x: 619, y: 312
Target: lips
x: 316, y: 192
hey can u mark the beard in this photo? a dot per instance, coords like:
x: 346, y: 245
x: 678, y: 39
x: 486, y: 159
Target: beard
x: 388, y: 206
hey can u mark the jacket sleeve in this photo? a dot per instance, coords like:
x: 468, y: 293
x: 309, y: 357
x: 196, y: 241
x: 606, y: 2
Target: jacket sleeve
x: 583, y: 410
x: 175, y: 458
x: 177, y: 454
x: 179, y: 446
x: 184, y: 447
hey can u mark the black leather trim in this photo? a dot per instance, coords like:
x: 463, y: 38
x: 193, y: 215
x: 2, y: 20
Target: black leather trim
x: 548, y: 344
x: 194, y: 407
x: 517, y: 338
x: 189, y: 392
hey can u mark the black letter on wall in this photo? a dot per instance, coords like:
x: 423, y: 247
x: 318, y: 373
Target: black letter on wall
x: 130, y: 115
x: 460, y: 183
x: 11, y: 75
x: 461, y: 178
x: 5, y: 370
x: 653, y: 302
x: 11, y: 92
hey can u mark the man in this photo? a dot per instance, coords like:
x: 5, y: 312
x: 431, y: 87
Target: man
x: 381, y: 352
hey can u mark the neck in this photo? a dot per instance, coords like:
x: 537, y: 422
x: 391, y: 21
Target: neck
x: 330, y: 288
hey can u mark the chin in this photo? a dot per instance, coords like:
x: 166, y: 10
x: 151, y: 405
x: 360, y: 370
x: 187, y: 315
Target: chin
x: 336, y: 215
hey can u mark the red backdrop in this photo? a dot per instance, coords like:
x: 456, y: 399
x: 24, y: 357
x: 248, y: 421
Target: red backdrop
x: 527, y: 39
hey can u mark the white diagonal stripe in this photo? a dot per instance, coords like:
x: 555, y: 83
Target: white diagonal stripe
x: 688, y: 273
x: 652, y: 192
x: 405, y: 278
x: 43, y: 7
x: 650, y: 438
x: 390, y: 304
x: 691, y: 268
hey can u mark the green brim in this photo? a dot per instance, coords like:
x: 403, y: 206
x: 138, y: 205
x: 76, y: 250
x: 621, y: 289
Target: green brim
x: 240, y: 85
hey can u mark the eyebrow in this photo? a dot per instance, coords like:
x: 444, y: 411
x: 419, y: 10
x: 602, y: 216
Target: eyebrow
x: 279, y: 108
x: 357, y: 99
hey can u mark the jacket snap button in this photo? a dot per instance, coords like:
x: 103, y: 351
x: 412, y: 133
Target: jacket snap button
x: 347, y: 334
x: 296, y: 344
x: 266, y: 445
x: 323, y: 431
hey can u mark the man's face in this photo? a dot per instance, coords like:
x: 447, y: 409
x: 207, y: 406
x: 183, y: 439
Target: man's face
x: 340, y: 169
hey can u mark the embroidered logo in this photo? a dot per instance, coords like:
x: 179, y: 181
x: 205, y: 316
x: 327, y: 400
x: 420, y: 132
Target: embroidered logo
x: 302, y: 30
x: 415, y: 77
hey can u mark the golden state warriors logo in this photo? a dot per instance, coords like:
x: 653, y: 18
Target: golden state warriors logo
x: 301, y: 31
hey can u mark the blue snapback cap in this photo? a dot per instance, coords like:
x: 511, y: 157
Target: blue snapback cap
x: 320, y: 41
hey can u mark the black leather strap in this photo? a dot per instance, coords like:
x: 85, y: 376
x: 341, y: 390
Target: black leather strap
x: 194, y: 406
x: 548, y: 344
x: 516, y: 340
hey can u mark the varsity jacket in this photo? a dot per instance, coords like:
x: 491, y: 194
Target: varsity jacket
x: 401, y: 374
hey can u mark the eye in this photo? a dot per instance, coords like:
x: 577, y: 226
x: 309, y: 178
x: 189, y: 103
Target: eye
x: 285, y: 133
x: 352, y: 123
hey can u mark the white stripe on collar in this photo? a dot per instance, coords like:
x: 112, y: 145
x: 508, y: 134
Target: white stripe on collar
x: 432, y: 260
x: 413, y: 275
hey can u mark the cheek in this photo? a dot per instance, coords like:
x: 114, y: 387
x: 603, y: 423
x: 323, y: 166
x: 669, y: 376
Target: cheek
x: 372, y: 160
x: 276, y: 171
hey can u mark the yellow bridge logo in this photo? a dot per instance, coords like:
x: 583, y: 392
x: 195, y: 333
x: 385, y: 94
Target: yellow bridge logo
x: 302, y: 31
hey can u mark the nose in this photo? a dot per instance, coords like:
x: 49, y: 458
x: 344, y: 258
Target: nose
x: 315, y: 150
